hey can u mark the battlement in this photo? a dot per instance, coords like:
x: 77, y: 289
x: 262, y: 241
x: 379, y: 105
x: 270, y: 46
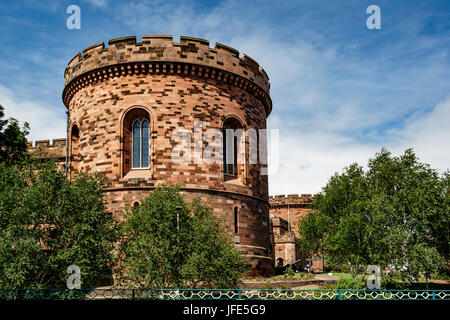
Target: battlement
x: 158, y: 53
x: 288, y: 237
x: 56, y: 149
x: 291, y: 199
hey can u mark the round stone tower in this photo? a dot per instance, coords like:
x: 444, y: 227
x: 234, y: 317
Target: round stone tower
x: 128, y: 104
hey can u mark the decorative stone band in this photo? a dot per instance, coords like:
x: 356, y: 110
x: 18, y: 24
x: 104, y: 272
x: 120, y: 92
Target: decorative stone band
x: 213, y: 191
x: 157, y: 54
x: 252, y: 256
x: 254, y: 251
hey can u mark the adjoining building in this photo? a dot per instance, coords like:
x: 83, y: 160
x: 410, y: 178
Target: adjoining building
x: 286, y: 213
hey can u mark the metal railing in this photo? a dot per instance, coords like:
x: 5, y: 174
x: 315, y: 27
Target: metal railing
x: 223, y: 294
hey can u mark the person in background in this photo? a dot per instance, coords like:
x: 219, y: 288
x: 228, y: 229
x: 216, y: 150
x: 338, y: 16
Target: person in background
x: 307, y: 268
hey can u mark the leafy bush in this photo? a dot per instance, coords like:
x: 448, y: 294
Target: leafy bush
x: 48, y: 224
x: 290, y: 272
x: 396, y: 212
x: 350, y: 283
x: 169, y: 243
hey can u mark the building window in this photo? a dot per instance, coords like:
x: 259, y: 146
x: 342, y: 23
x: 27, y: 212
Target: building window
x: 236, y: 221
x: 140, y: 153
x: 74, y: 151
x: 232, y: 131
x: 136, y: 144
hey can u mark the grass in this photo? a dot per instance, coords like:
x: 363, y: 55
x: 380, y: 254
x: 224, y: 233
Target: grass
x: 295, y: 276
x: 299, y: 275
x: 342, y: 275
x: 420, y: 285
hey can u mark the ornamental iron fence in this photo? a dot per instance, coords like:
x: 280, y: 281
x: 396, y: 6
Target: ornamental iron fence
x: 223, y: 294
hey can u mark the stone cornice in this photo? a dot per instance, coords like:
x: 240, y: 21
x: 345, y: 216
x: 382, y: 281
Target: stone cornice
x: 166, y: 67
x: 113, y: 189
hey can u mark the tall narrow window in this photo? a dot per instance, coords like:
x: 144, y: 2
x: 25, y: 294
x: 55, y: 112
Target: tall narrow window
x: 140, y: 144
x: 74, y: 149
x: 231, y: 131
x: 236, y: 226
x: 74, y: 139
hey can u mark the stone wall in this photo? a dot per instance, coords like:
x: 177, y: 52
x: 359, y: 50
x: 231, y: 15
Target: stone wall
x: 287, y: 212
x: 43, y: 148
x: 292, y: 208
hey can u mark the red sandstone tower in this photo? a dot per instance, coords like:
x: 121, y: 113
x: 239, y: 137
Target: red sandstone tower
x: 126, y: 102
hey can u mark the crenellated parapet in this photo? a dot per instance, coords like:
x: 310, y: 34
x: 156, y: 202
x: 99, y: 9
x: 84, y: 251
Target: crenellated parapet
x: 287, y: 237
x: 291, y: 200
x: 158, y: 54
x: 47, y: 149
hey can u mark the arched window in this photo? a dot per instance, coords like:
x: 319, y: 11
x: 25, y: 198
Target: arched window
x: 140, y: 140
x: 136, y: 144
x: 232, y: 131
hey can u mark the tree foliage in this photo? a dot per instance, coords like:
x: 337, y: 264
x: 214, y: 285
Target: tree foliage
x: 48, y: 224
x: 13, y: 142
x: 397, y: 214
x: 166, y: 247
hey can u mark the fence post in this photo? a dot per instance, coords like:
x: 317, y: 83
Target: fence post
x: 240, y: 293
x: 18, y: 295
x: 339, y: 294
x: 434, y: 295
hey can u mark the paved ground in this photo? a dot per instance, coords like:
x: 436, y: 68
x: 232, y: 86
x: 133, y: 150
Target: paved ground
x: 311, y: 286
x: 441, y: 281
x: 326, y: 277
x: 295, y: 283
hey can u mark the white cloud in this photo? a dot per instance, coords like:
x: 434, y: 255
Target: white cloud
x: 46, y: 122
x: 97, y: 3
x: 429, y: 135
x: 308, y: 159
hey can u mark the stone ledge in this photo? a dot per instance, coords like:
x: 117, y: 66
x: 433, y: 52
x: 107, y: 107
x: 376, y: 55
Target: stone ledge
x: 138, y: 174
x: 191, y: 189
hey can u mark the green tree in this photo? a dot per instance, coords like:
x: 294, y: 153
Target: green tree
x: 397, y: 213
x: 13, y: 142
x: 169, y: 243
x: 47, y: 224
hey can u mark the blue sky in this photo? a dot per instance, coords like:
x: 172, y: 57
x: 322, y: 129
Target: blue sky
x: 340, y: 91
